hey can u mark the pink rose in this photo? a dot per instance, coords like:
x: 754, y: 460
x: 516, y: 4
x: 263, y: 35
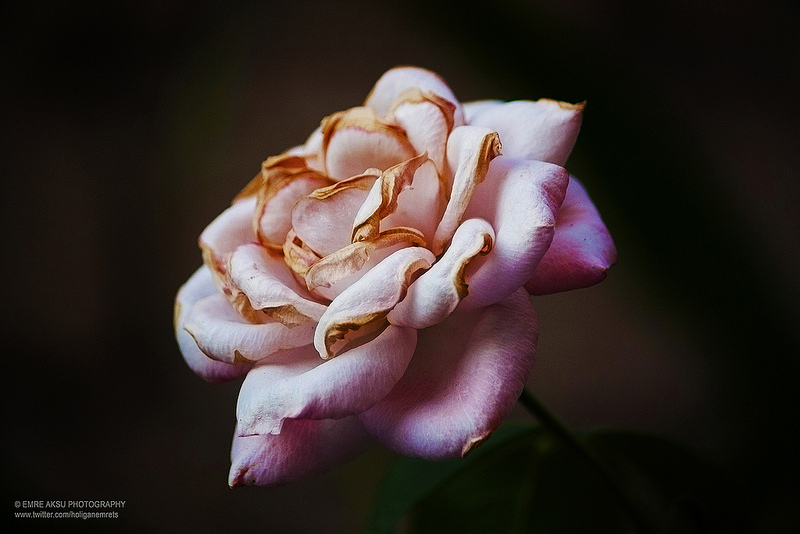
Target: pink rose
x: 374, y: 282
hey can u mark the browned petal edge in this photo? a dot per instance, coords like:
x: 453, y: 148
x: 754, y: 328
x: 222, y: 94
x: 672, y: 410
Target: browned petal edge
x: 361, y: 181
x: 361, y: 117
x: 283, y: 163
x: 371, y: 324
x: 490, y: 149
x: 474, y: 443
x: 393, y: 181
x: 459, y: 280
x: 414, y: 95
x: 579, y: 107
x: 350, y: 259
x: 435, y: 74
x: 297, y: 255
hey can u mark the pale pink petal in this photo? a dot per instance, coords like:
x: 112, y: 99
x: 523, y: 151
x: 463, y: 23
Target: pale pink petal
x: 471, y: 109
x: 323, y: 220
x: 545, y: 130
x: 464, y: 379
x: 233, y: 227
x: 520, y: 199
x: 395, y: 81
x: 222, y: 334
x: 356, y: 140
x: 270, y: 286
x: 297, y: 384
x: 435, y: 294
x: 311, y: 151
x: 470, y: 149
x: 582, y: 248
x: 304, y: 448
x: 422, y: 204
x: 198, y: 287
x: 364, y: 304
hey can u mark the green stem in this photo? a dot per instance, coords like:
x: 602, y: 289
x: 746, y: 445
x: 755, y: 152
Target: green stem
x: 641, y: 518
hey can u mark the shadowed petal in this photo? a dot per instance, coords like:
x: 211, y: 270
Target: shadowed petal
x: 582, y: 248
x: 297, y: 384
x: 545, y: 130
x: 520, y: 199
x: 304, y: 448
x: 464, y: 379
x: 196, y: 288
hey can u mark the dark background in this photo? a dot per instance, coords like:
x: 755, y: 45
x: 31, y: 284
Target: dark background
x: 128, y: 126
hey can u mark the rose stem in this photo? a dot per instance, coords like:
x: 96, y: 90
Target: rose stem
x: 641, y: 519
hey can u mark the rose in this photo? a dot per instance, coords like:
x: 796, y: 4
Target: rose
x: 371, y: 283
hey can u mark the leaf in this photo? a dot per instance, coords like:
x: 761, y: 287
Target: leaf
x: 523, y: 480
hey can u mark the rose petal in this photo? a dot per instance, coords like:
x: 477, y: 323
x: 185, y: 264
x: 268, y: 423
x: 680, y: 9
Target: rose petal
x: 304, y: 448
x: 366, y: 302
x: 270, y: 286
x: 297, y: 384
x: 435, y: 294
x: 520, y: 199
x: 471, y: 109
x: 323, y: 220
x: 395, y: 81
x: 199, y: 286
x: 223, y: 335
x: 464, y: 379
x: 427, y: 120
x: 233, y: 227
x: 469, y: 151
x: 582, y: 248
x: 545, y: 130
x: 421, y: 205
x: 356, y: 139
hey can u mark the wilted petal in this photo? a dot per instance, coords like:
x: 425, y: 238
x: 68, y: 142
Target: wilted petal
x: 297, y: 384
x: 427, y: 120
x: 464, y: 379
x: 365, y: 304
x: 395, y: 81
x: 421, y: 205
x: 545, y: 130
x: 435, y: 294
x: 356, y: 140
x: 199, y: 286
x: 270, y: 287
x: 304, y: 448
x: 520, y: 199
x: 323, y: 220
x: 582, y: 248
x: 233, y: 227
x: 222, y: 334
x: 469, y: 151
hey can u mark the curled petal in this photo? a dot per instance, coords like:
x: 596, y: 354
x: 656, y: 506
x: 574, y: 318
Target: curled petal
x: 365, y: 304
x: 323, y: 220
x: 427, y: 120
x: 520, y: 200
x: 382, y: 198
x: 223, y: 335
x: 582, y: 248
x: 311, y: 151
x: 233, y: 227
x: 399, y: 79
x: 469, y: 151
x: 545, y: 130
x: 464, y: 379
x: 435, y: 294
x: 422, y: 204
x: 351, y: 259
x: 356, y: 139
x: 297, y: 384
x: 305, y: 447
x: 270, y: 287
x: 198, y: 287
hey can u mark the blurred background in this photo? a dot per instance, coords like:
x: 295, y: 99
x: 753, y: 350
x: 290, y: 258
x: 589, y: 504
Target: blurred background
x: 128, y: 126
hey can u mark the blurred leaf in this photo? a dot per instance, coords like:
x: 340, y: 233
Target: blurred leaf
x: 522, y: 480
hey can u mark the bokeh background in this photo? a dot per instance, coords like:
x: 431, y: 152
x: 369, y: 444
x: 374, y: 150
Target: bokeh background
x: 128, y: 126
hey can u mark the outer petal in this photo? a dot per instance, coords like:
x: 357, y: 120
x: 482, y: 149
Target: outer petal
x: 520, y: 199
x: 297, y: 384
x: 222, y: 334
x: 395, y: 81
x: 304, y: 448
x: 233, y: 227
x: 582, y: 248
x: 464, y: 379
x: 366, y: 303
x: 545, y: 130
x: 196, y: 288
x: 469, y: 151
x: 435, y: 294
